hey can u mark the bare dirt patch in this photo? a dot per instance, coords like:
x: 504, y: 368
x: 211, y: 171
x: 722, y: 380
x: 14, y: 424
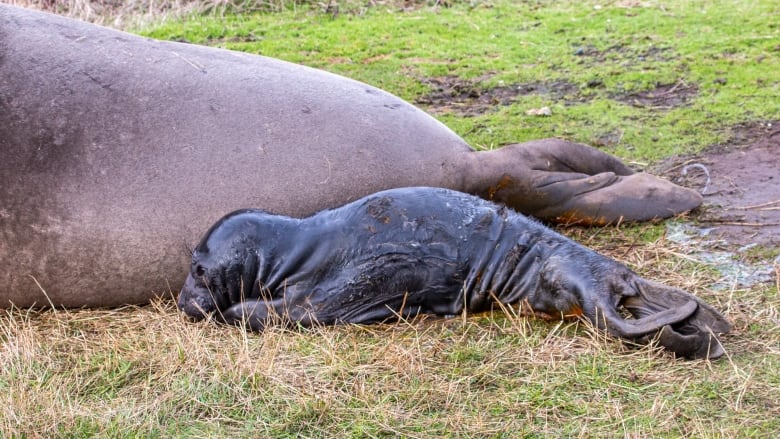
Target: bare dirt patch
x: 662, y: 97
x: 740, y: 181
x: 620, y: 52
x: 452, y: 94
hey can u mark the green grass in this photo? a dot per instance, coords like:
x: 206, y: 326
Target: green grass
x: 728, y: 50
x: 145, y: 372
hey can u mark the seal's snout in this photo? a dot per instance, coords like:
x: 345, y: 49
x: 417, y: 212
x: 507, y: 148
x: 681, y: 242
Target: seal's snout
x: 196, y: 302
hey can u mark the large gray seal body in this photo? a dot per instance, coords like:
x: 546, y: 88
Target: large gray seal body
x: 118, y: 150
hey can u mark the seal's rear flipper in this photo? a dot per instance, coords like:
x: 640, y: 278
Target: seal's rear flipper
x: 636, y: 197
x: 693, y: 345
x: 569, y: 182
x: 695, y: 336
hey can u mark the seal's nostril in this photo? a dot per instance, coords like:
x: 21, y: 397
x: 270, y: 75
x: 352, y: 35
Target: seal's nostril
x: 195, y: 302
x: 204, y: 304
x: 192, y: 318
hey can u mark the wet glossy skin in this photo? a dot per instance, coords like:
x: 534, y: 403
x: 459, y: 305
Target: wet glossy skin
x: 426, y: 250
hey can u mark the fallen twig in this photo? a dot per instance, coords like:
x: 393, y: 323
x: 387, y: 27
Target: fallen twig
x: 758, y: 206
x: 704, y: 169
x: 737, y: 223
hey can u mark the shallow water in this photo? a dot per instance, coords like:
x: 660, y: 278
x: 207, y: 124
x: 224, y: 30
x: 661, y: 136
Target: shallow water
x: 715, y: 253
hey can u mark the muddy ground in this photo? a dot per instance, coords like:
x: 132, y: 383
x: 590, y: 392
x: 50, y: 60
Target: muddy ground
x: 740, y: 179
x: 450, y: 94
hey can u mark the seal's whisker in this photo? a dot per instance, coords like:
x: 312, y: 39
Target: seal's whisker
x: 189, y: 249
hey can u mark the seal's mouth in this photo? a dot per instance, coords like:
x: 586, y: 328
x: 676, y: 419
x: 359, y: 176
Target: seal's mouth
x: 196, y: 302
x: 195, y: 306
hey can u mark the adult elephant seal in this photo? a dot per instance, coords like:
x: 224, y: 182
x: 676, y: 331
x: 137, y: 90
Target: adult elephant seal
x: 409, y: 251
x: 118, y: 150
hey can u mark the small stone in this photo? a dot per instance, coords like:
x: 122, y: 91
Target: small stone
x: 544, y: 111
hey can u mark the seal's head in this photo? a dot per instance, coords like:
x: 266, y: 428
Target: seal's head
x: 224, y: 265
x: 579, y: 282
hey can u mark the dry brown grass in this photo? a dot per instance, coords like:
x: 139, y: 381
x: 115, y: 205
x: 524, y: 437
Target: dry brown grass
x: 136, y: 13
x: 123, y: 14
x: 147, y: 372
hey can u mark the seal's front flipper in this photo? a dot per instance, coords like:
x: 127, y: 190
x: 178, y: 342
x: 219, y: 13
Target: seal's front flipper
x: 254, y: 314
x: 556, y: 155
x: 257, y: 314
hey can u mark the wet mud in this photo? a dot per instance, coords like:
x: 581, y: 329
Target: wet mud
x: 740, y: 182
x: 450, y: 94
x: 662, y: 97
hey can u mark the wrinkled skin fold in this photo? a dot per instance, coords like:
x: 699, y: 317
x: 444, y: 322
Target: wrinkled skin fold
x: 410, y: 251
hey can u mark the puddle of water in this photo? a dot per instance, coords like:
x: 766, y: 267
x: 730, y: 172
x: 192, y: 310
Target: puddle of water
x: 708, y: 250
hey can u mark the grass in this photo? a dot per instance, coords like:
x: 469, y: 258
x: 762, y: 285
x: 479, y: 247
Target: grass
x: 145, y: 372
x: 623, y: 50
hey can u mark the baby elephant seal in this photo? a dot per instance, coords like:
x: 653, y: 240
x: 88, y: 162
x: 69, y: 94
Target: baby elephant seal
x: 410, y: 251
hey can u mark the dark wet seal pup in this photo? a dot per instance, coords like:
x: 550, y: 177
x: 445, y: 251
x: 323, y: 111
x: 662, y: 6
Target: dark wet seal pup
x: 410, y: 251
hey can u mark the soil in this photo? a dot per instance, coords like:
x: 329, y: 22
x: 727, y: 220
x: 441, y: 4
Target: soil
x: 740, y: 182
x: 662, y: 97
x: 620, y: 54
x: 467, y: 98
